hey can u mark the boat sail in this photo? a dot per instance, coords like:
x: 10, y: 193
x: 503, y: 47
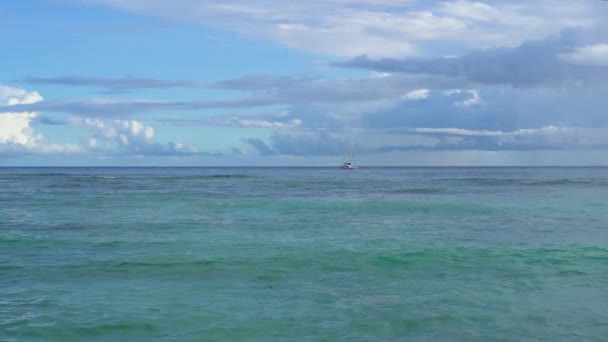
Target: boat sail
x: 349, y: 162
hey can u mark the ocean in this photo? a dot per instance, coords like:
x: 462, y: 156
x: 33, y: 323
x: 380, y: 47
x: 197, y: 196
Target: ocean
x: 303, y: 254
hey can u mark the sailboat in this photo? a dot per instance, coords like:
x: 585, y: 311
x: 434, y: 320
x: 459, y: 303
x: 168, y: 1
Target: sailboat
x: 349, y: 162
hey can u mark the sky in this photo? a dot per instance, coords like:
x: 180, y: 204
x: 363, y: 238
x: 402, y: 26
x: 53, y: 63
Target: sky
x: 301, y: 83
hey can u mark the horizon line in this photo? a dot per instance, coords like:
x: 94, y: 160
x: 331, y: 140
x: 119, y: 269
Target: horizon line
x: 298, y: 166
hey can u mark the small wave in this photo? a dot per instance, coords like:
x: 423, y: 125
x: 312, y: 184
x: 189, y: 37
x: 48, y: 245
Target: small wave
x: 387, y: 206
x: 125, y: 176
x: 418, y: 190
x: 565, y: 181
x: 483, y: 181
x: 525, y: 182
x: 33, y: 240
x: 144, y: 264
x: 32, y: 175
x: 565, y: 260
x: 95, y: 176
x: 574, y: 273
x: 10, y: 267
x: 215, y: 176
x: 23, y: 319
x: 137, y: 265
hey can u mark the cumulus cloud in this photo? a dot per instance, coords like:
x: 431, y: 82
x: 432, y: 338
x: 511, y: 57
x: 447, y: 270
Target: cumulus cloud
x: 107, y: 137
x: 15, y: 129
x: 17, y: 135
x: 128, y: 137
x: 13, y: 96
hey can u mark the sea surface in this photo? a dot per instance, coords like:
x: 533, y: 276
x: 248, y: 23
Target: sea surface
x: 303, y: 254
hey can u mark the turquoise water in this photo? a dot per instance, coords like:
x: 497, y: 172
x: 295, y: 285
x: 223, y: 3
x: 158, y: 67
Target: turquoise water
x: 315, y: 254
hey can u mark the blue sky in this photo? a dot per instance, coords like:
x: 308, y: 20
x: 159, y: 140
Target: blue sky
x: 269, y: 82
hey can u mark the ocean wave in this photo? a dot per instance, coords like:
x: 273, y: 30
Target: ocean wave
x: 523, y: 181
x: 418, y: 190
x: 122, y: 176
x: 32, y: 175
x: 213, y: 176
x: 566, y: 181
x: 363, y: 206
x: 94, y: 177
x: 564, y: 259
x: 25, y: 239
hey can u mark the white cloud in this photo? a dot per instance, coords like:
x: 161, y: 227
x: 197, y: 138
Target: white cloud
x: 15, y: 129
x: 266, y: 123
x: 547, y: 138
x: 596, y: 54
x: 376, y: 28
x: 92, y: 142
x: 375, y: 74
x: 279, y: 120
x: 475, y: 99
x: 121, y: 130
x: 127, y: 136
x: 471, y: 10
x: 17, y: 135
x: 418, y: 94
x: 353, y: 40
x: 488, y: 133
x: 13, y: 96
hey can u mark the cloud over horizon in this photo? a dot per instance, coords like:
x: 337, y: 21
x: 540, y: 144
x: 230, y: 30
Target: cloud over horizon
x: 108, y: 137
x: 17, y: 137
x: 309, y: 79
